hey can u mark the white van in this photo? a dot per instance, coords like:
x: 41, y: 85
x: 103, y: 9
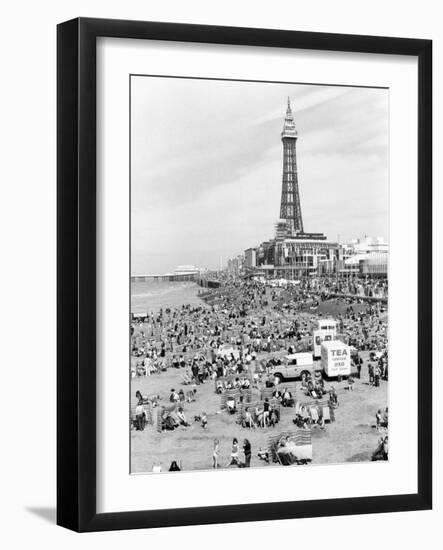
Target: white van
x: 336, y: 358
x: 294, y: 366
x: 320, y: 336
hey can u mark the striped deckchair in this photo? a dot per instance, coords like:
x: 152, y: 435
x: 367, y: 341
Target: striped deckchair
x: 169, y: 408
x: 267, y: 392
x: 232, y: 378
x: 324, y: 406
x: 236, y: 394
x: 253, y: 404
x: 248, y: 405
x: 302, y: 439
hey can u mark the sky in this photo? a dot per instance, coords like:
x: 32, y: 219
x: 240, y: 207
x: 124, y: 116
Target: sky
x: 206, y: 166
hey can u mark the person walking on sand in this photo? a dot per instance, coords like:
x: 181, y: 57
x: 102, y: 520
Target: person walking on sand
x: 371, y: 374
x: 377, y: 376
x: 378, y: 420
x: 215, y: 454
x: 248, y: 453
x: 234, y: 453
x: 140, y: 417
x: 359, y: 364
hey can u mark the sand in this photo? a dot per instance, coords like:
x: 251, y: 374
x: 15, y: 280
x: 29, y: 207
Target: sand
x: 351, y: 438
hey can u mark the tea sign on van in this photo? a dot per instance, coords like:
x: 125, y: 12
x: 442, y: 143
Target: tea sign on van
x: 339, y: 352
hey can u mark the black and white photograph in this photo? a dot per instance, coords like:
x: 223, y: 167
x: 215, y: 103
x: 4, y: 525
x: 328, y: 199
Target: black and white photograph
x: 259, y: 254
x: 221, y: 270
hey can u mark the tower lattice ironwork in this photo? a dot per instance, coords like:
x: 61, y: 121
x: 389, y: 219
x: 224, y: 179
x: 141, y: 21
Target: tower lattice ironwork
x: 290, y: 209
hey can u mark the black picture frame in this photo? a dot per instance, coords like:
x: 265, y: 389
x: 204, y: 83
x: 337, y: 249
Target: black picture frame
x: 76, y: 279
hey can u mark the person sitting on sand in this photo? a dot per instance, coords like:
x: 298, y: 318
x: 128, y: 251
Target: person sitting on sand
x: 204, y: 420
x: 274, y: 416
x: 350, y: 383
x: 187, y: 378
x: 174, y: 467
x: 248, y: 421
x: 287, y: 400
x: 182, y: 418
x: 277, y: 394
x: 230, y: 405
x: 190, y: 395
x: 168, y: 422
x: 263, y: 455
x: 381, y: 452
x: 285, y: 451
x: 298, y: 421
x: 311, y: 389
x: 174, y: 397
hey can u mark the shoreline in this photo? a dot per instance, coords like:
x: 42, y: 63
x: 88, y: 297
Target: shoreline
x: 150, y: 297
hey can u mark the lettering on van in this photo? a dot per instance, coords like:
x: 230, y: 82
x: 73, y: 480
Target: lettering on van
x: 339, y: 353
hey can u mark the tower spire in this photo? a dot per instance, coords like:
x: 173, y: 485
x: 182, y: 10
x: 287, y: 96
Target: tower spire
x: 289, y: 124
x: 290, y: 209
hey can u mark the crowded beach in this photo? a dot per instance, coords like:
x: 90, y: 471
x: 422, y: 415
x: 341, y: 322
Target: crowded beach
x: 207, y: 389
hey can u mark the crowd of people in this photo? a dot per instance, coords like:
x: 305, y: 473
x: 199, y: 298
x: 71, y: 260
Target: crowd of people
x: 237, y: 338
x: 354, y: 285
x: 234, y: 458
x: 262, y: 415
x: 243, y: 320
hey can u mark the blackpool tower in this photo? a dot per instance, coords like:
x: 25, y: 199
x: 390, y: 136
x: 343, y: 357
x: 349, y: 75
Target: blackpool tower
x: 290, y: 209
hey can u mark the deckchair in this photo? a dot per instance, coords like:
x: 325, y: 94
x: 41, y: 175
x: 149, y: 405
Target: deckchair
x: 326, y: 414
x: 314, y: 415
x: 302, y: 439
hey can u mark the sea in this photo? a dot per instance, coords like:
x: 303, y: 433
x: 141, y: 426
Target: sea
x: 153, y: 295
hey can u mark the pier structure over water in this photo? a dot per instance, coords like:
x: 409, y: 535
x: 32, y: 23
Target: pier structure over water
x: 181, y: 274
x: 171, y: 277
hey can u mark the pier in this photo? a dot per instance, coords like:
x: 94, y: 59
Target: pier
x: 171, y: 277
